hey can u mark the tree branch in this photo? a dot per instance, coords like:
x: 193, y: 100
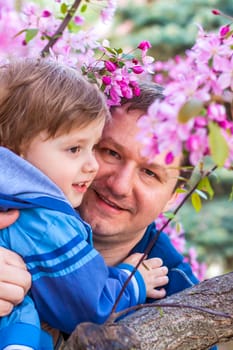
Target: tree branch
x: 61, y: 28
x: 168, y: 328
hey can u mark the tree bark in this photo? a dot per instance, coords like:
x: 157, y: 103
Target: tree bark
x: 184, y: 325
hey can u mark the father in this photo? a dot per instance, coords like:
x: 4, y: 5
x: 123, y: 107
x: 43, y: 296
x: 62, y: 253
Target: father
x: 126, y: 197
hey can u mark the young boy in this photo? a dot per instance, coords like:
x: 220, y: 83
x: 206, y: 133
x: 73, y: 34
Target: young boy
x: 51, y: 119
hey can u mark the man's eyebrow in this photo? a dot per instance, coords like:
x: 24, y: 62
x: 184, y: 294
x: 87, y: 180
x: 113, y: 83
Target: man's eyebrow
x: 113, y: 143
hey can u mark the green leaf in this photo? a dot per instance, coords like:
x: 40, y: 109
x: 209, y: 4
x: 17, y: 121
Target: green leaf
x: 181, y: 190
x: 169, y: 215
x: 119, y: 51
x: 190, y: 109
x: 231, y: 195
x: 204, y: 185
x: 196, y: 201
x: 218, y: 145
x: 64, y: 8
x: 30, y: 34
x: 83, y: 8
x: 109, y: 49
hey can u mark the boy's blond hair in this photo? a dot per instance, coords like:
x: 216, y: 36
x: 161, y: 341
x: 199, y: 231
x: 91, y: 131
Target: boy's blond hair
x: 40, y: 94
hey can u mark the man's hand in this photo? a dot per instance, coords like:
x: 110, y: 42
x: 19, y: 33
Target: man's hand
x: 8, y: 218
x: 15, y: 280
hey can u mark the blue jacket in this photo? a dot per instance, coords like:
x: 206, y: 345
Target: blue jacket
x: 70, y: 281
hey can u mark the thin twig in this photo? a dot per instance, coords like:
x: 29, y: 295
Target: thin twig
x: 116, y: 315
x: 154, y: 240
x: 61, y: 28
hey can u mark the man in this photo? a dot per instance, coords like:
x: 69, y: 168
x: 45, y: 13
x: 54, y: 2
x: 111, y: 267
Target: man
x: 126, y: 196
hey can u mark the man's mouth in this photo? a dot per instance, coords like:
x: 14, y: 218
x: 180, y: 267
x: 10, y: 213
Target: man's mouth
x: 111, y: 203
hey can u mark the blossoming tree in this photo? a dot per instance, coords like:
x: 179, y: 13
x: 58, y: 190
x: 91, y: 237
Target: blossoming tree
x: 196, y: 111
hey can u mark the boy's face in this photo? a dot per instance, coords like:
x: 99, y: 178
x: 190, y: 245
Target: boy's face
x: 69, y: 159
x: 128, y: 193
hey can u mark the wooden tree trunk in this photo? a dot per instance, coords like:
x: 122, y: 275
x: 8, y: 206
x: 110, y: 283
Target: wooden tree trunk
x: 168, y: 328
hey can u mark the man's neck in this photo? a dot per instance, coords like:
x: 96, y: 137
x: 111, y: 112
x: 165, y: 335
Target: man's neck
x: 113, y: 252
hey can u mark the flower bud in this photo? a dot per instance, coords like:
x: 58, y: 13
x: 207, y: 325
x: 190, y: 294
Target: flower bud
x: 144, y: 45
x: 106, y: 80
x: 110, y: 66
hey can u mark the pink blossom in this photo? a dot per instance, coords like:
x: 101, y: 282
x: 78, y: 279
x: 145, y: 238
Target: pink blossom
x: 169, y: 158
x: 144, y: 45
x: 106, y: 80
x: 216, y: 12
x: 79, y: 20
x: 224, y: 30
x: 110, y: 66
x: 46, y: 13
x: 137, y: 69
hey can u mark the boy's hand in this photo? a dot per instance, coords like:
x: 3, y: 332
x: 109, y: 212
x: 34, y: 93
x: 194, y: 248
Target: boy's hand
x: 153, y: 273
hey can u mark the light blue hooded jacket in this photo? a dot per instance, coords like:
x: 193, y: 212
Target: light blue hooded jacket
x: 70, y: 280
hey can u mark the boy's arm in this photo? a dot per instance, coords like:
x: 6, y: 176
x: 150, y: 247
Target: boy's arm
x: 69, y: 276
x: 21, y: 329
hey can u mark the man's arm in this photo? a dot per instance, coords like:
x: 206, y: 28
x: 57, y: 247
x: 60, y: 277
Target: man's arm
x: 15, y: 280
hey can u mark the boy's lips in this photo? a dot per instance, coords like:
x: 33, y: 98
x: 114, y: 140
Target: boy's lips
x: 81, y: 187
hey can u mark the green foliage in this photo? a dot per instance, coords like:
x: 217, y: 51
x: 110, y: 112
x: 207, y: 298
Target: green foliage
x: 211, y: 229
x: 190, y: 109
x: 170, y: 25
x: 217, y: 144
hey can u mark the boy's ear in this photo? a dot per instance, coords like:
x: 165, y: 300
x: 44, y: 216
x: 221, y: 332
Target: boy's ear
x: 171, y: 201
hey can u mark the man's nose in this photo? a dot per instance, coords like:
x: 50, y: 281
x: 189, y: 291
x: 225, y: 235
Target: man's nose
x: 121, y: 181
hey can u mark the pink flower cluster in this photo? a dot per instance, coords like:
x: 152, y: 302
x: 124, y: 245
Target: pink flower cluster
x: 193, y: 117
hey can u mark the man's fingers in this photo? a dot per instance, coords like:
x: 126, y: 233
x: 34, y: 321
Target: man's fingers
x: 5, y: 308
x: 8, y: 218
x: 11, y: 293
x: 13, y: 278
x: 8, y: 257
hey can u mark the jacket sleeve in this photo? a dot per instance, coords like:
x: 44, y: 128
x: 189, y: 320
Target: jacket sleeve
x: 21, y: 329
x: 70, y: 280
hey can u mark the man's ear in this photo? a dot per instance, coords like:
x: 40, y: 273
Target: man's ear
x: 172, y: 200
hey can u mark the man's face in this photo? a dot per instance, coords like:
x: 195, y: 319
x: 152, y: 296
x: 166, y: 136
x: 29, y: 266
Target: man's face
x: 128, y: 192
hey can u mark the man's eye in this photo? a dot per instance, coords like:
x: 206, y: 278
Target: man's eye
x: 151, y: 174
x: 112, y: 153
x: 75, y: 149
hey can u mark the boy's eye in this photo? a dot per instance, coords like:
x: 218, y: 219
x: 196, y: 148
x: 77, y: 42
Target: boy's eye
x: 74, y: 149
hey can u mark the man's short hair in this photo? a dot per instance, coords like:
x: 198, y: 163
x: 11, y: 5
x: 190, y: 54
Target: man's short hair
x: 149, y: 92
